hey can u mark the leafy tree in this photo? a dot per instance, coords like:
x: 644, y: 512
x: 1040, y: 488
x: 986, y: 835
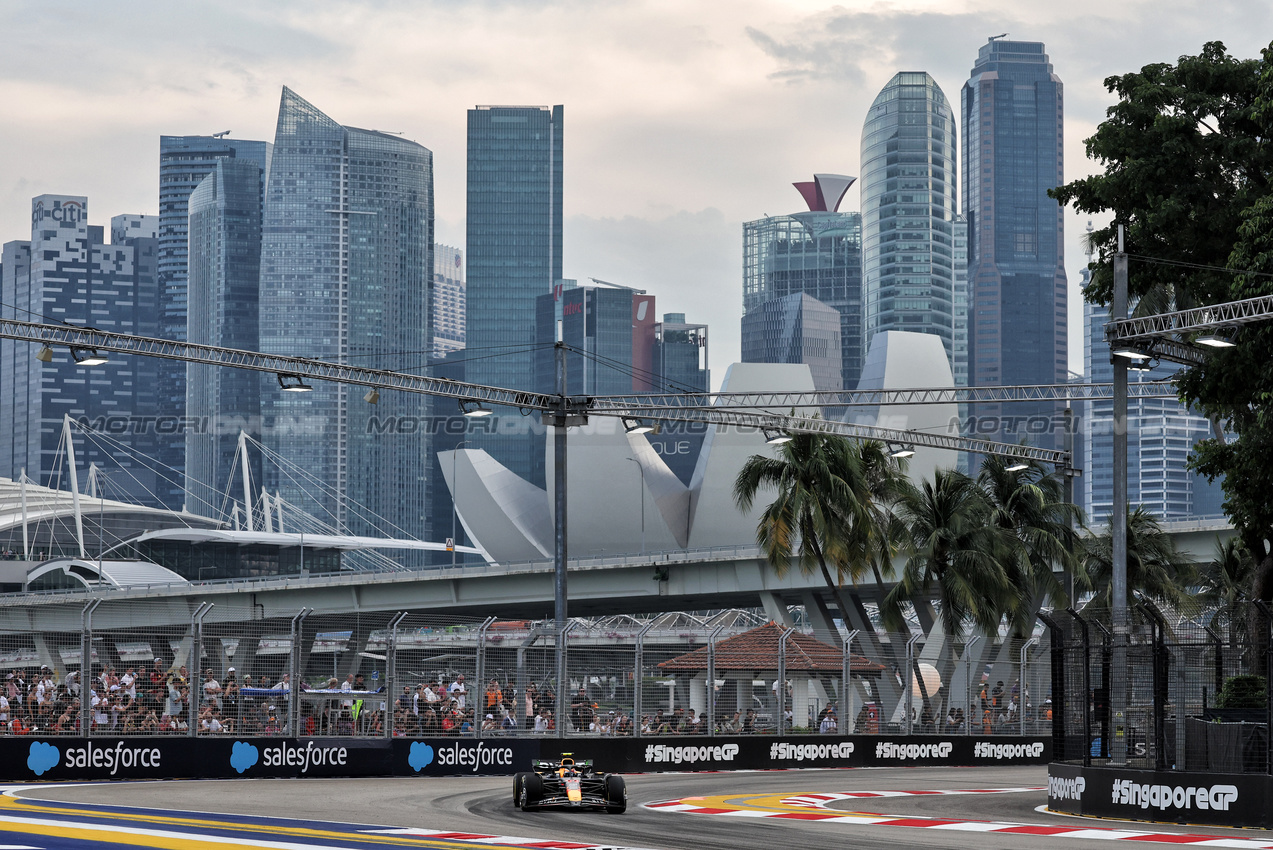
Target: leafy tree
x: 1154, y: 567
x: 830, y: 510
x: 1188, y: 157
x: 1029, y: 505
x: 953, y: 543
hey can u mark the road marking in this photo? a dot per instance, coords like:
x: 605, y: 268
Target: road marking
x: 509, y: 840
x: 805, y: 807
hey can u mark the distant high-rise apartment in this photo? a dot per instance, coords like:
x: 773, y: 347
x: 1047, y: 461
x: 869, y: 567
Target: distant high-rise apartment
x: 67, y: 273
x: 513, y: 247
x: 448, y: 300
x: 346, y: 262
x: 818, y: 253
x: 224, y: 272
x: 1161, y: 432
x: 1013, y: 127
x: 183, y: 163
x: 908, y: 189
x: 796, y: 328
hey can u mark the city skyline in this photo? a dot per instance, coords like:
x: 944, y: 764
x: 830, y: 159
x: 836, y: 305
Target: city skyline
x: 681, y: 127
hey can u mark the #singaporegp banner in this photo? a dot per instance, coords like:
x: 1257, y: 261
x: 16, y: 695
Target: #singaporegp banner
x: 36, y: 758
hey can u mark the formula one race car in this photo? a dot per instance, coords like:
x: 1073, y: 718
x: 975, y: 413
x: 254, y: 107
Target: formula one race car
x: 569, y: 784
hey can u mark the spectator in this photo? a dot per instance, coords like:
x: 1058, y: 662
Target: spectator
x: 530, y: 707
x: 581, y: 711
x: 211, y: 689
x: 828, y: 724
x: 494, y: 695
x: 543, y: 721
x: 733, y: 725
x: 490, y: 724
x: 458, y: 691
x: 749, y: 722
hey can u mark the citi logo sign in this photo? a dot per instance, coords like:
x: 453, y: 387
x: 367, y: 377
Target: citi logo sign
x: 70, y: 211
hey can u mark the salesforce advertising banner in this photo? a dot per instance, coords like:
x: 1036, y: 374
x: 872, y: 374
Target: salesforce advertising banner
x: 1219, y: 799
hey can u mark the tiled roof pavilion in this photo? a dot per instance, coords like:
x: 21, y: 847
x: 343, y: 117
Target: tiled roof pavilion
x: 757, y: 650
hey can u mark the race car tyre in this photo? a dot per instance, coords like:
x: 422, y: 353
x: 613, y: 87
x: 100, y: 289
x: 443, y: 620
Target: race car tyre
x: 532, y: 791
x: 518, y: 779
x: 616, y: 795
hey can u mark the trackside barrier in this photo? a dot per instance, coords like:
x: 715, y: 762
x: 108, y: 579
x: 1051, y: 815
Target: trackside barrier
x: 1214, y: 799
x: 37, y: 758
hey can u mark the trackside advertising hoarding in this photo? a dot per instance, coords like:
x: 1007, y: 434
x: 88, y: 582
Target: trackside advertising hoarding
x: 1217, y: 799
x: 34, y: 758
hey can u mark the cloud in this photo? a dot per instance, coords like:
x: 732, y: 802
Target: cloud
x: 420, y: 757
x: 42, y: 757
x: 243, y: 755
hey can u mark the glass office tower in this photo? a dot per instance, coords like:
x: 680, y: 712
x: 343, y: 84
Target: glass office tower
x: 224, y: 268
x: 818, y: 253
x: 908, y: 211
x: 346, y: 271
x: 513, y: 247
x: 796, y: 328
x: 183, y: 163
x: 1013, y: 126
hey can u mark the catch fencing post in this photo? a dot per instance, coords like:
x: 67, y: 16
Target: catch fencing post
x: 910, y: 683
x: 293, y: 725
x: 780, y: 687
x: 391, y: 672
x: 968, y: 718
x: 639, y: 679
x: 1087, y: 688
x: 711, y: 681
x: 479, y: 704
x: 846, y: 673
x: 1268, y: 685
x: 86, y: 667
x: 195, y: 682
x: 1021, y: 686
x: 563, y: 684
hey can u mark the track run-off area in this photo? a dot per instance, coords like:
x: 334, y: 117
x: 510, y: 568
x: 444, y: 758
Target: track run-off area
x: 978, y: 808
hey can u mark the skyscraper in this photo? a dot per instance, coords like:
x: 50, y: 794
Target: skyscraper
x: 183, y: 162
x: 797, y: 328
x: 908, y: 210
x: 448, y: 300
x: 1161, y: 432
x: 346, y: 268
x: 818, y: 253
x: 513, y: 244
x: 680, y: 356
x: 67, y: 273
x: 1012, y: 156
x: 610, y: 332
x: 224, y: 273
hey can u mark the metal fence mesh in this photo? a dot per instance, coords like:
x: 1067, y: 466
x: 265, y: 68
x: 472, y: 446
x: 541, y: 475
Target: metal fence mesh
x: 158, y: 667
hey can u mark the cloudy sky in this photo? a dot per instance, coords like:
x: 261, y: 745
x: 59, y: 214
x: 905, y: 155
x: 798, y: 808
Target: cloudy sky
x: 684, y: 118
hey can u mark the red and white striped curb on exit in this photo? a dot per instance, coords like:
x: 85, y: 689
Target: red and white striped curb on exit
x: 505, y: 840
x: 819, y: 801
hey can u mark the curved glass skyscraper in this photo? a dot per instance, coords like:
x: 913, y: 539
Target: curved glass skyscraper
x: 346, y: 268
x: 908, y: 211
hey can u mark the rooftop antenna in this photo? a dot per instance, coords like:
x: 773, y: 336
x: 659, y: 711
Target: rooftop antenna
x: 221, y: 135
x: 999, y: 36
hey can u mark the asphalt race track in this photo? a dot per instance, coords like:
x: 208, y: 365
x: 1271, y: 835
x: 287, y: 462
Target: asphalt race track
x: 477, y: 806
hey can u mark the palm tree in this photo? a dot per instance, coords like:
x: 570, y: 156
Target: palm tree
x: 830, y: 510
x: 953, y: 543
x: 1226, y: 584
x: 1154, y: 567
x: 1029, y: 504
